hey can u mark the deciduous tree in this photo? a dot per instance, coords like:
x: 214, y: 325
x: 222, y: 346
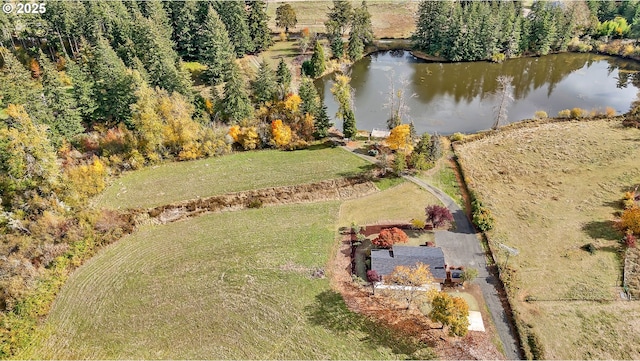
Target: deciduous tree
x: 630, y: 220
x: 390, y: 236
x: 281, y: 134
x: 286, y: 17
x: 400, y: 139
x: 439, y: 216
x: 342, y: 92
x: 452, y: 312
x: 415, y: 284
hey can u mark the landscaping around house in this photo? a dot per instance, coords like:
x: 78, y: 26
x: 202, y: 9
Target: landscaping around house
x: 552, y: 188
x: 172, y: 182
x: 241, y: 285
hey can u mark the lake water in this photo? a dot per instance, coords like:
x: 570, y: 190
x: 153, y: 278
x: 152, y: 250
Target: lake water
x: 458, y: 97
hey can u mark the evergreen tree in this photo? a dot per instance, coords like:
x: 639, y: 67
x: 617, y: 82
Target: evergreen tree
x: 283, y: 76
x: 185, y: 30
x: 361, y: 32
x: 337, y: 46
x: 316, y: 66
x: 234, y: 17
x: 349, y: 124
x: 310, y: 98
x: 264, y: 86
x: 215, y: 49
x: 322, y: 123
x: 83, y: 91
x: 339, y: 17
x: 114, y: 85
x: 67, y: 120
x: 155, y: 51
x: 355, y: 47
x: 258, y: 28
x: 235, y: 105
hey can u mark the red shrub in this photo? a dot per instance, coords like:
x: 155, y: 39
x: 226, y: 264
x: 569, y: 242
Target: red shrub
x: 630, y: 240
x: 390, y: 236
x: 373, y: 276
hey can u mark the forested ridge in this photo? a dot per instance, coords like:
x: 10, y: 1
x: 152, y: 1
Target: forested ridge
x: 89, y: 89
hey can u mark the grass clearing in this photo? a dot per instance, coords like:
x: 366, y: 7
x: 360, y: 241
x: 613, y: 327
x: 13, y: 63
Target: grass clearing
x: 390, y: 19
x: 443, y: 176
x: 176, y: 181
x: 552, y: 189
x: 234, y: 285
x: 388, y: 182
x: 400, y: 203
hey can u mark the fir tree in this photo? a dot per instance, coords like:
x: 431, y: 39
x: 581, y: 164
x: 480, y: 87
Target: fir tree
x: 316, y: 66
x: 283, y: 76
x: 234, y: 17
x: 67, y: 120
x: 235, y: 105
x: 185, y: 30
x: 310, y: 98
x: 83, y: 91
x: 215, y: 49
x: 258, y: 28
x: 322, y: 123
x: 264, y: 86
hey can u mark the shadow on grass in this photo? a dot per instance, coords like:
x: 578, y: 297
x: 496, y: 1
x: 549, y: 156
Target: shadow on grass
x: 602, y: 229
x: 361, y: 169
x: 319, y: 146
x: 330, y: 311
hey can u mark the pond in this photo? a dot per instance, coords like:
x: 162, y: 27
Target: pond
x: 459, y: 97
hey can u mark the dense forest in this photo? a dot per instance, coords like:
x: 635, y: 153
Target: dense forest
x: 89, y: 89
x: 496, y: 30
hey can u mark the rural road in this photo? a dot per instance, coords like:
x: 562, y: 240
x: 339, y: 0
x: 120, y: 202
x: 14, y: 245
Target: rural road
x: 462, y: 248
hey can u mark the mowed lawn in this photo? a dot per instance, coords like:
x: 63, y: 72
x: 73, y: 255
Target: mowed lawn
x: 400, y: 203
x: 234, y: 285
x: 552, y: 189
x: 389, y: 18
x: 172, y: 182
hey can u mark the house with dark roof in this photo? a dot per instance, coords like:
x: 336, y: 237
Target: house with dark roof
x: 384, y: 261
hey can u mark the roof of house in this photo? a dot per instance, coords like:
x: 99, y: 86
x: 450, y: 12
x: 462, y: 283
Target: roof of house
x: 379, y: 133
x: 383, y: 261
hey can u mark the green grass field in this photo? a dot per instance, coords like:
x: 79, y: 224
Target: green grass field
x: 233, y: 285
x: 172, y: 182
x: 552, y: 189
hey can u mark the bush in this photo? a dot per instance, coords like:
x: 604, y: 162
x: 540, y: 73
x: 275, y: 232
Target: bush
x: 577, y: 113
x: 255, y: 203
x: 418, y: 223
x: 589, y: 247
x: 482, y: 217
x: 498, y: 57
x: 629, y: 240
x: 390, y: 236
x: 566, y: 113
x: 469, y: 274
x: 373, y: 276
x: 630, y: 221
x: 610, y: 112
x: 541, y: 114
x: 457, y: 137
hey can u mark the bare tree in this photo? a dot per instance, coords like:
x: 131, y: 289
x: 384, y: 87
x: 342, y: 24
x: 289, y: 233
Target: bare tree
x: 397, y: 101
x: 504, y: 95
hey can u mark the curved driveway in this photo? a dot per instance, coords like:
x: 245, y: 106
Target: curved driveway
x: 462, y: 247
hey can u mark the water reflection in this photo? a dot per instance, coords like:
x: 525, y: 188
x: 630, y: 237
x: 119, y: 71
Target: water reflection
x: 452, y: 97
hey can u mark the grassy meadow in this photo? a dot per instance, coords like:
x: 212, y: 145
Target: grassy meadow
x: 235, y: 285
x: 552, y: 189
x: 172, y: 182
x: 390, y: 19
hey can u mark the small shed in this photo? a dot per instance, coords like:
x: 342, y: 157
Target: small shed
x: 380, y: 134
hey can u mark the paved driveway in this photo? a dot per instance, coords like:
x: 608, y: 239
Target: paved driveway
x: 461, y: 247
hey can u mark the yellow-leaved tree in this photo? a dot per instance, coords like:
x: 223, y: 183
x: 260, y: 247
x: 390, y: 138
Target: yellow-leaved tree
x: 416, y: 282
x: 85, y: 180
x: 280, y: 133
x: 452, y: 312
x: 400, y: 139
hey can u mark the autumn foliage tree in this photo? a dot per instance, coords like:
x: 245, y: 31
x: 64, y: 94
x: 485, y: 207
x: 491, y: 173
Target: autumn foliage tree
x: 390, y: 236
x: 452, y: 312
x: 416, y: 280
x: 438, y: 216
x: 630, y: 221
x: 280, y: 133
x: 400, y: 139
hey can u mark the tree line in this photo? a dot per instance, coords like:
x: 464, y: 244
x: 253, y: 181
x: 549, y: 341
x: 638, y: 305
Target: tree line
x: 496, y: 30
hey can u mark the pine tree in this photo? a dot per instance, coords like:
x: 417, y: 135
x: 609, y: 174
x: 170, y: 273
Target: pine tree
x: 67, y: 120
x: 215, y: 49
x: 185, y: 30
x: 258, y: 28
x: 283, y: 76
x: 83, y: 89
x: 264, y: 87
x: 235, y: 105
x: 234, y: 17
x: 339, y: 18
x: 114, y: 85
x: 310, y: 98
x: 322, y: 123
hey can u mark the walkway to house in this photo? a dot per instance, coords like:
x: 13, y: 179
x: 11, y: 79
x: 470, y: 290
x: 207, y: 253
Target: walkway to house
x: 462, y: 248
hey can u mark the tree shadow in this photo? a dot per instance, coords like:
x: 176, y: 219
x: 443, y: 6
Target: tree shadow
x: 318, y: 146
x: 602, y: 229
x: 363, y: 169
x: 330, y: 311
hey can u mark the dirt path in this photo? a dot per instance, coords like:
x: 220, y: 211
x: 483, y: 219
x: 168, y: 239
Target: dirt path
x: 463, y: 247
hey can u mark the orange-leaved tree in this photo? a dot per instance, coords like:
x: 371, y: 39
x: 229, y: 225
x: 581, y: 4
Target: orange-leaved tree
x: 390, y: 236
x: 630, y: 220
